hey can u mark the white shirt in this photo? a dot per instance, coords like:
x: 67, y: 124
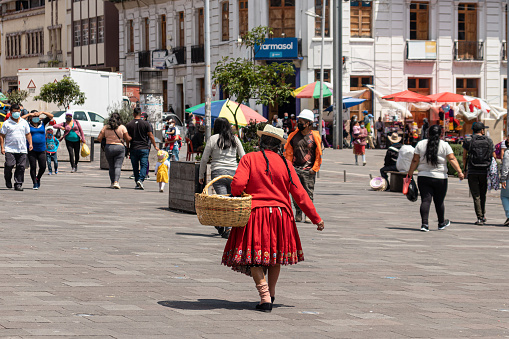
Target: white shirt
x: 15, y: 135
x: 426, y: 169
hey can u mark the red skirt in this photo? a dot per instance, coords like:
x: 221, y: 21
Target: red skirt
x: 359, y: 149
x: 269, y: 238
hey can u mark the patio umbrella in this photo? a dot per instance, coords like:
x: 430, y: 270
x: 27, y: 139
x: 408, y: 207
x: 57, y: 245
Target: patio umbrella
x: 225, y: 109
x: 312, y: 90
x: 347, y: 103
x: 447, y: 97
x: 3, y: 97
x: 479, y: 104
x: 407, y: 96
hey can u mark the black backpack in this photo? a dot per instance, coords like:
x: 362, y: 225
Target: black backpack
x: 480, y: 152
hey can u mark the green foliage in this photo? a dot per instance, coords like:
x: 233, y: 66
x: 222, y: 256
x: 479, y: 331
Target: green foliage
x: 17, y: 96
x: 458, y: 153
x: 62, y: 93
x: 124, y: 109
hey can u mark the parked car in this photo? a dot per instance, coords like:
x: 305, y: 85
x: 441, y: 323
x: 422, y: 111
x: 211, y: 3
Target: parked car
x: 91, y: 122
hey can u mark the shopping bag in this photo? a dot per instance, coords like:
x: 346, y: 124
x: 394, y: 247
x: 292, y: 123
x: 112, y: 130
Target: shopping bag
x: 85, y: 151
x: 406, y: 183
x: 413, y: 191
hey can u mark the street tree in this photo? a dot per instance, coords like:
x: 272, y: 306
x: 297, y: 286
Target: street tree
x: 246, y: 79
x: 62, y: 93
x: 17, y: 96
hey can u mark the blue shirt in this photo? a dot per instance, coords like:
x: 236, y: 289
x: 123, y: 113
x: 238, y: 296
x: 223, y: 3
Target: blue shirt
x: 38, y: 137
x: 52, y: 144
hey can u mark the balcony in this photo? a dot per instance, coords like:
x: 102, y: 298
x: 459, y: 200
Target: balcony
x: 504, y: 51
x: 180, y: 55
x: 197, y: 54
x: 468, y: 50
x: 144, y: 59
x: 421, y: 51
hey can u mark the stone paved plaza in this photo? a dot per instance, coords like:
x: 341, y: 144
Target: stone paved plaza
x: 81, y: 260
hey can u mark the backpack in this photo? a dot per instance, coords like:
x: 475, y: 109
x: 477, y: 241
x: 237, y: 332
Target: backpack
x: 498, y: 150
x: 480, y: 152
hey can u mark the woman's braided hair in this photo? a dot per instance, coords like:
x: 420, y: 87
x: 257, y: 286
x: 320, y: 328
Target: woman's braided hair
x: 274, y: 145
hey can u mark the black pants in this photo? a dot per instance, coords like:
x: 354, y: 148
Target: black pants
x: 432, y: 189
x: 14, y: 159
x: 385, y: 169
x: 37, y: 158
x: 308, y: 182
x: 478, y: 184
x: 74, y: 149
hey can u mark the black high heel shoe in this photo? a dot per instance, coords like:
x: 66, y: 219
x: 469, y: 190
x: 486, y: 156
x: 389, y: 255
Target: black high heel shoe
x: 265, y: 307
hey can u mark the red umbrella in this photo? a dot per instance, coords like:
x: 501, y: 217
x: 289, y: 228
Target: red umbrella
x: 447, y: 97
x: 407, y: 96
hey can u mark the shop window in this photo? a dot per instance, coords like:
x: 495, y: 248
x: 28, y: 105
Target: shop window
x: 243, y: 17
x: 225, y: 19
x: 361, y: 13
x: 318, y: 19
x: 419, y: 21
x: 358, y: 83
x: 282, y: 18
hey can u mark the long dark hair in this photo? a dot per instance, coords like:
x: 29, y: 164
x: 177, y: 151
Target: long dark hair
x: 114, y: 121
x: 274, y: 145
x: 431, y: 154
x: 224, y: 129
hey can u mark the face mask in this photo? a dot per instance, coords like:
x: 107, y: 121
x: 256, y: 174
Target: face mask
x: 362, y: 126
x: 286, y: 117
x: 68, y: 118
x: 16, y: 115
x: 36, y: 120
x: 301, y: 127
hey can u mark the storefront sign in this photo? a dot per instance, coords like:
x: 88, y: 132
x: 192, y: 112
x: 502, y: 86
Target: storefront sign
x: 421, y: 50
x: 278, y: 48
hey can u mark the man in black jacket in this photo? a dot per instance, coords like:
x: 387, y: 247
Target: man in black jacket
x: 391, y: 157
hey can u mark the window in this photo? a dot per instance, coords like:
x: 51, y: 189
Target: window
x: 243, y: 17
x: 100, y: 30
x: 79, y: 115
x: 182, y: 36
x: 146, y: 34
x: 467, y: 22
x: 360, y: 19
x: 93, y: 31
x: 77, y: 33
x: 467, y: 86
x: 130, y: 36
x: 94, y: 117
x: 318, y: 20
x: 421, y: 86
x: 357, y: 83
x: 326, y: 78
x: 201, y: 27
x: 225, y: 18
x: 282, y: 18
x: 163, y: 31
x: 84, y: 32
x: 419, y: 26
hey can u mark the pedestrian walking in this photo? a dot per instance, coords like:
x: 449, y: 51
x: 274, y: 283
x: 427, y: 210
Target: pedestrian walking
x: 141, y: 135
x: 37, y: 156
x: 14, y: 136
x: 270, y: 238
x: 73, y: 135
x: 115, y: 149
x: 391, y: 157
x: 144, y: 116
x: 353, y: 121
x: 379, y: 126
x: 504, y: 176
x: 359, y: 144
x: 223, y: 147
x: 52, y: 144
x: 304, y: 151
x: 430, y: 159
x: 162, y: 169
x: 424, y: 129
x: 477, y: 154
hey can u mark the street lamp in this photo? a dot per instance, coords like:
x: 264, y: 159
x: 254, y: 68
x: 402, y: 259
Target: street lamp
x: 320, y: 106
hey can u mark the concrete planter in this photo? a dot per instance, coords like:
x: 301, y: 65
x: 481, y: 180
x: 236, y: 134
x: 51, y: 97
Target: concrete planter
x: 183, y: 185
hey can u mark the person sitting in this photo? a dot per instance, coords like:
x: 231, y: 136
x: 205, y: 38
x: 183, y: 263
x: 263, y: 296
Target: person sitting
x: 391, y: 157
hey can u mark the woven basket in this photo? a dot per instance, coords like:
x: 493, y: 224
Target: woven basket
x: 222, y: 210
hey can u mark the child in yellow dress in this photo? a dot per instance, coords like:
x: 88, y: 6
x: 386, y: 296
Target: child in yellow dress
x: 162, y: 169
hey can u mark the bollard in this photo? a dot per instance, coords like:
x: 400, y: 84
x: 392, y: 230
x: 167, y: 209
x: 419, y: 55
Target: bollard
x: 370, y: 176
x: 344, y: 175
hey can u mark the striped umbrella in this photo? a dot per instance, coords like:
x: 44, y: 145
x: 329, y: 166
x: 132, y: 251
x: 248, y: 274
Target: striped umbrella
x: 313, y: 90
x: 226, y: 109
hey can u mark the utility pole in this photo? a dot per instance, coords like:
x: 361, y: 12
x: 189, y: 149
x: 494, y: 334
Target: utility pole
x: 208, y: 96
x: 338, y: 75
x: 320, y: 106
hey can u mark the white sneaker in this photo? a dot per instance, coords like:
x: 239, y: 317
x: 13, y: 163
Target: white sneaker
x: 161, y: 190
x: 115, y: 185
x: 139, y: 185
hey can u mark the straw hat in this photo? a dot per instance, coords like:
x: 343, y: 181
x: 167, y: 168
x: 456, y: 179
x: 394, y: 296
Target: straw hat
x: 274, y: 132
x: 394, y: 138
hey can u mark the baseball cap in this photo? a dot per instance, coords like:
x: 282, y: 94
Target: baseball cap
x: 478, y: 126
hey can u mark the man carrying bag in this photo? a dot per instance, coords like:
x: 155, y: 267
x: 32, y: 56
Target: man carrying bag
x: 477, y: 154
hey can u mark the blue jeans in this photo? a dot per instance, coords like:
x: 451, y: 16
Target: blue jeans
x: 139, y: 158
x: 505, y: 203
x: 175, y: 152
x: 52, y: 157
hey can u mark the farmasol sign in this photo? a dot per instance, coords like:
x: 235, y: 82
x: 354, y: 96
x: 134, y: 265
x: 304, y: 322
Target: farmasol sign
x: 278, y: 48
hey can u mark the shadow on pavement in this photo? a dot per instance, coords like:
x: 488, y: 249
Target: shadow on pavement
x: 404, y: 229
x: 212, y: 235
x: 208, y: 304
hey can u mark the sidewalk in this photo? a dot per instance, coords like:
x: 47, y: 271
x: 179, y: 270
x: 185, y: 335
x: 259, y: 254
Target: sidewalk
x: 82, y: 260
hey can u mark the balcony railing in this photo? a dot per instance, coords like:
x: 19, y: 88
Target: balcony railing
x: 504, y: 50
x: 468, y: 50
x: 197, y: 54
x: 144, y: 59
x: 180, y: 55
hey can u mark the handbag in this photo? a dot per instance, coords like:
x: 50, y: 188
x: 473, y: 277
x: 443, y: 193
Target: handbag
x: 413, y: 191
x: 406, y: 183
x: 85, y: 151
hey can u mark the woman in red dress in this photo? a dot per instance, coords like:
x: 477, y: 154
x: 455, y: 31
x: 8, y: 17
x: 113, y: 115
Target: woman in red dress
x: 270, y: 238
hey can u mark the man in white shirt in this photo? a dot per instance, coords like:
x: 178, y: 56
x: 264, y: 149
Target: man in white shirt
x: 14, y: 136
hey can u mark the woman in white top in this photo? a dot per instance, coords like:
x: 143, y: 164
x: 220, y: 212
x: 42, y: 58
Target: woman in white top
x: 223, y: 147
x: 430, y: 159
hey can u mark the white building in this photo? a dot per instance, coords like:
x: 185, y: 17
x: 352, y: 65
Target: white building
x: 425, y: 46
